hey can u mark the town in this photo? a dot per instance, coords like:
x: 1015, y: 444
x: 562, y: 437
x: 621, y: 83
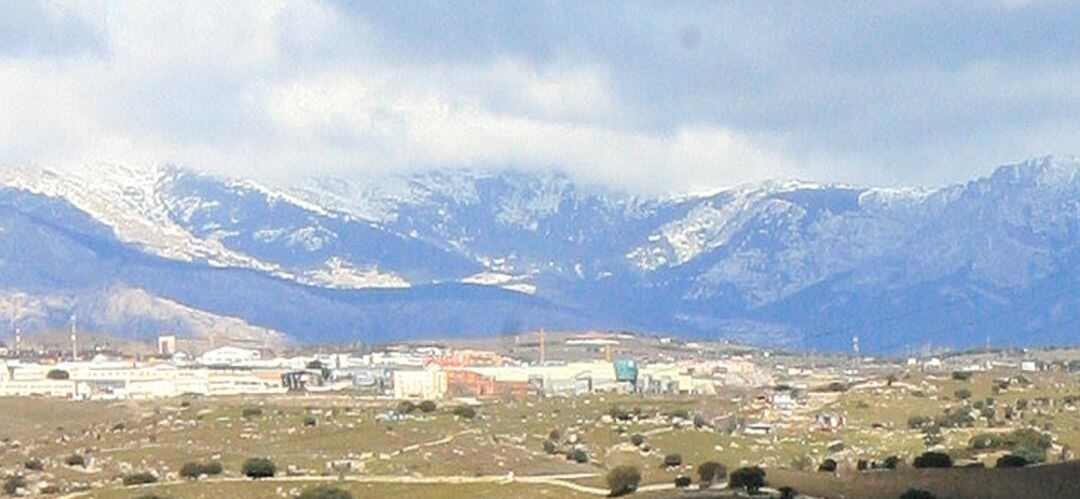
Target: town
x: 559, y: 413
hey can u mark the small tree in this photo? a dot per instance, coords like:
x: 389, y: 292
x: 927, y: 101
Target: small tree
x: 933, y: 460
x: 549, y: 447
x: 405, y: 407
x: 579, y: 456
x: 672, y: 460
x: 251, y: 412
x: 962, y: 394
x: 682, y: 482
x: 555, y: 436
x: 259, y: 467
x: 787, y: 493
x: 428, y: 406
x: 34, y: 464
x: 828, y: 465
x: 310, y: 420
x: 324, y: 492
x: 140, y: 478
x: 891, y: 462
x: 57, y: 374
x: 751, y: 478
x: 637, y: 439
x: 75, y: 460
x: 623, y: 480
x: 711, y: 472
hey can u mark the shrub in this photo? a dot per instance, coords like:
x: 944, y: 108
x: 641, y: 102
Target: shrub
x: 891, y: 462
x: 933, y: 460
x: 700, y: 422
x: 324, y: 492
x: 862, y: 465
x: 1011, y: 461
x: 549, y: 446
x: 682, y: 482
x: 751, y: 478
x: 579, y: 456
x: 555, y: 436
x: 34, y: 464
x: 405, y: 407
x: 918, y: 421
x: 711, y: 472
x: 151, y: 496
x: 465, y: 411
x: 917, y: 494
x: 787, y: 493
x: 195, y: 470
x: 49, y: 490
x: 827, y: 465
x: 310, y: 421
x: 428, y: 406
x: 961, y: 376
x: 141, y: 478
x: 962, y: 394
x: 836, y: 387
x: 671, y: 460
x: 57, y: 374
x: 75, y: 460
x: 251, y: 412
x: 619, y: 414
x: 623, y: 480
x: 259, y: 467
x: 637, y: 439
x: 13, y: 484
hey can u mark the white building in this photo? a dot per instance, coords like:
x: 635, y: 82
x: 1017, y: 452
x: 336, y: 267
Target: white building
x: 228, y: 356
x: 426, y: 384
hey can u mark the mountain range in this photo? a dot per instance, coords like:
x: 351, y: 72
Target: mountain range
x: 137, y: 251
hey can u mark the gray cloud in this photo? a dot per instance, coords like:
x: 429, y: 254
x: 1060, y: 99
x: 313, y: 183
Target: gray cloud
x: 646, y: 96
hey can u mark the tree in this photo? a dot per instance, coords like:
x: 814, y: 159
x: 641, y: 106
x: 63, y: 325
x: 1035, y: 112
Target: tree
x: 549, y: 447
x: 428, y: 406
x: 57, y: 374
x: 917, y: 494
x: 259, y: 467
x: 405, y: 407
x: 828, y: 465
x: 251, y: 412
x: 34, y: 464
x: 682, y: 482
x: 1011, y: 461
x: 711, y: 472
x: 75, y: 460
x: 672, y: 460
x: 962, y: 394
x: 787, y: 493
x: 933, y: 460
x: 324, y: 492
x: 637, y: 439
x: 140, y: 478
x: 579, y: 456
x: 13, y: 484
x: 464, y: 411
x: 751, y: 478
x: 196, y: 470
x: 623, y: 480
x: 891, y: 462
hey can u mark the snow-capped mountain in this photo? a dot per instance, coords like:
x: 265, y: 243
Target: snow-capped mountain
x: 463, y: 252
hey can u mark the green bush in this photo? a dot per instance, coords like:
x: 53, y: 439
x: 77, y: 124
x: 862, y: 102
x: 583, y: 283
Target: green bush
x: 1011, y: 461
x: 549, y: 447
x: 682, y: 482
x: 34, y: 464
x: 672, y: 460
x: 13, y: 484
x: 579, y: 456
x: 787, y: 493
x: 195, y: 470
x: 324, y: 492
x: 57, y: 374
x: 962, y: 394
x: 141, y: 478
x: 828, y: 465
x: 711, y: 472
x: 933, y: 460
x: 251, y: 412
x: 637, y: 439
x: 428, y: 406
x: 405, y: 407
x: 310, y: 421
x: 259, y: 467
x: 751, y: 478
x: 623, y: 480
x: 75, y: 460
x: 464, y: 411
x: 891, y: 462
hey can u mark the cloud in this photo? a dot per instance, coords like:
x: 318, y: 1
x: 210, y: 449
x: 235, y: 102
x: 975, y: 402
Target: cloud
x: 643, y: 97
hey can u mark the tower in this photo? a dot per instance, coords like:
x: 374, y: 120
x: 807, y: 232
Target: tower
x: 543, y: 346
x: 74, y: 340
x: 18, y: 341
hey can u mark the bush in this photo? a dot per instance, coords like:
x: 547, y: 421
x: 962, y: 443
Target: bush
x: 465, y: 411
x: 549, y: 446
x: 828, y: 465
x: 711, y: 472
x: 623, y: 480
x: 918, y: 421
x: 555, y: 436
x: 34, y: 464
x: 251, y: 412
x: 141, y: 478
x: 13, y: 484
x: 1011, y: 461
x: 917, y: 494
x: 151, y: 496
x: 933, y: 460
x: 961, y: 376
x: 259, y: 467
x: 405, y: 407
x: 619, y: 414
x: 75, y: 460
x: 579, y: 456
x: 891, y: 462
x: 324, y: 492
x: 195, y: 470
x: 428, y: 406
x: 310, y: 421
x: 637, y: 439
x: 57, y: 374
x: 787, y: 493
x: 962, y: 394
x: 682, y: 482
x: 672, y: 460
x: 751, y: 478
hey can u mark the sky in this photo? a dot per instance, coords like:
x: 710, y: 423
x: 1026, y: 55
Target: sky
x: 641, y: 96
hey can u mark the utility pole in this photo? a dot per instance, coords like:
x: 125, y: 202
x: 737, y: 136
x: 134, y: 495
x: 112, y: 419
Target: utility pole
x: 543, y: 347
x: 74, y: 339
